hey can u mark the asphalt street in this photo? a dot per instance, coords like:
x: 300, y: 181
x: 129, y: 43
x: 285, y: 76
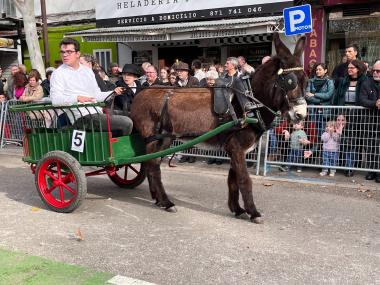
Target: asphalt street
x: 313, y: 234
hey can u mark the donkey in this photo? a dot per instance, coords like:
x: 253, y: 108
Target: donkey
x: 188, y: 112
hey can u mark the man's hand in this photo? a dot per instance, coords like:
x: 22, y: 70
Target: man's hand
x: 119, y: 90
x: 308, y: 94
x: 85, y: 99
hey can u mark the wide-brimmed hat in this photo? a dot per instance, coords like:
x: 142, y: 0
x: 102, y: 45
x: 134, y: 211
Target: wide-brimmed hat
x: 182, y: 66
x: 133, y: 69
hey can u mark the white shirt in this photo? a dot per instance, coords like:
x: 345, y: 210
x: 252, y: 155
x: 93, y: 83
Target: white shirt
x: 67, y: 83
x: 199, y: 74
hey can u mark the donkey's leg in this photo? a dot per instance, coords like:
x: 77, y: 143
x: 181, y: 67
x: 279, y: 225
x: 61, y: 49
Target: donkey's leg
x: 244, y: 183
x: 156, y: 187
x: 233, y: 194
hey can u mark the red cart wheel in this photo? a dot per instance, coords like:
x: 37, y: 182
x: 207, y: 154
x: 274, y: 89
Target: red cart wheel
x: 60, y: 181
x: 127, y: 176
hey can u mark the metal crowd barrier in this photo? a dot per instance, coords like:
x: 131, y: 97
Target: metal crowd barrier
x: 357, y: 141
x: 2, y: 116
x: 252, y: 156
x: 12, y: 130
x: 13, y: 123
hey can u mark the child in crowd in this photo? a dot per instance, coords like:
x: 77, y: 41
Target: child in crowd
x: 298, y: 139
x: 330, y: 146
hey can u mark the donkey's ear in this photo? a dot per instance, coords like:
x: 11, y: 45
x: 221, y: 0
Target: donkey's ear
x: 300, y: 46
x: 281, y: 49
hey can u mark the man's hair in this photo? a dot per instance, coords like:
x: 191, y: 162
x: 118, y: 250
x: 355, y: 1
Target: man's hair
x: 70, y: 41
x: 377, y: 61
x: 352, y: 45
x: 242, y: 58
x: 49, y: 71
x: 145, y: 64
x: 197, y: 64
x: 113, y: 64
x: 154, y: 68
x: 234, y: 61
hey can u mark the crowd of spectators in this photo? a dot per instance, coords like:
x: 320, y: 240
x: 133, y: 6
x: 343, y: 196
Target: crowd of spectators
x: 337, y: 136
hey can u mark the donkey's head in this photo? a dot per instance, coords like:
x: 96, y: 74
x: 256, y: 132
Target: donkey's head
x: 290, y: 79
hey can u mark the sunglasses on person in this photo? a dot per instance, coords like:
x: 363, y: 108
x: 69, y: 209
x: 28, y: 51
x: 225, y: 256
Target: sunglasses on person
x: 376, y: 70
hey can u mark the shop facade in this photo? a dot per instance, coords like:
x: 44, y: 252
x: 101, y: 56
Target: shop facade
x: 163, y: 32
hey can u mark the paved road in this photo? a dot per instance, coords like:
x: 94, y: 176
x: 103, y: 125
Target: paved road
x: 312, y: 234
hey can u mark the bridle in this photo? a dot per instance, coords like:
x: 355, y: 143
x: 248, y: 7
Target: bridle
x: 287, y: 81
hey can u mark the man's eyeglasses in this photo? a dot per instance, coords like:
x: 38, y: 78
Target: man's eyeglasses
x: 376, y: 70
x: 68, y: 52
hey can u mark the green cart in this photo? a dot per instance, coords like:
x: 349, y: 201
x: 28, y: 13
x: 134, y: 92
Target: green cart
x: 59, y: 151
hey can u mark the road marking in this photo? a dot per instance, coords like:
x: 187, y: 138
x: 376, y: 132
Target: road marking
x: 125, y: 213
x: 122, y: 280
x: 142, y: 199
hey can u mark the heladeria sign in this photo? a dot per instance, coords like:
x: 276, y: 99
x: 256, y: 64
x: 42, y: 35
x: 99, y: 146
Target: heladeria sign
x: 118, y: 13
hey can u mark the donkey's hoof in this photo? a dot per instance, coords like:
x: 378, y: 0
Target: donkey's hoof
x: 257, y: 220
x: 159, y: 205
x: 171, y: 209
x: 242, y: 216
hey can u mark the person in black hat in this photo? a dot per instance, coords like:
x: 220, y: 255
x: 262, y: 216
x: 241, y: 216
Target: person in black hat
x: 131, y: 85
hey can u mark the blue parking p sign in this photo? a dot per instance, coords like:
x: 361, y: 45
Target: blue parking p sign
x: 297, y: 20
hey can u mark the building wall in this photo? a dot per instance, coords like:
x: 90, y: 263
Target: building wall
x: 56, y: 34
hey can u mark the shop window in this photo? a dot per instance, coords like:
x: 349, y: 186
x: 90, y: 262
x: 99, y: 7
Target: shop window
x: 104, y: 57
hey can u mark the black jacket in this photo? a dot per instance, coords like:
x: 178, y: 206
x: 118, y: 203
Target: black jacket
x: 369, y: 93
x: 339, y: 97
x: 339, y: 73
x: 124, y: 101
x: 157, y: 82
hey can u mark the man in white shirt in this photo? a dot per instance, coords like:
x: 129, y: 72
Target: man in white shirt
x: 196, y: 65
x: 244, y: 67
x: 73, y: 83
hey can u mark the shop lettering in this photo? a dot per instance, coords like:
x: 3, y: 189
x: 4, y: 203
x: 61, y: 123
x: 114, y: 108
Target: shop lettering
x: 313, y: 45
x: 134, y: 20
x: 143, y: 3
x: 217, y: 34
x: 177, y: 16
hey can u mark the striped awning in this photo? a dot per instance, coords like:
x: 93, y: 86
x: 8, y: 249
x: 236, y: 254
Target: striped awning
x: 231, y: 28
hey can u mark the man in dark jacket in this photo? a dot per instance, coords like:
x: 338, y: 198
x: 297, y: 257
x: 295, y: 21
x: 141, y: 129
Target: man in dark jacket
x: 370, y: 98
x: 46, y: 83
x: 151, y: 77
x: 340, y: 71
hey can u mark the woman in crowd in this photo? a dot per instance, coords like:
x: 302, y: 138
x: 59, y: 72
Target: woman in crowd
x: 19, y: 83
x: 33, y: 90
x: 347, y: 94
x: 319, y: 91
x: 164, y: 75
